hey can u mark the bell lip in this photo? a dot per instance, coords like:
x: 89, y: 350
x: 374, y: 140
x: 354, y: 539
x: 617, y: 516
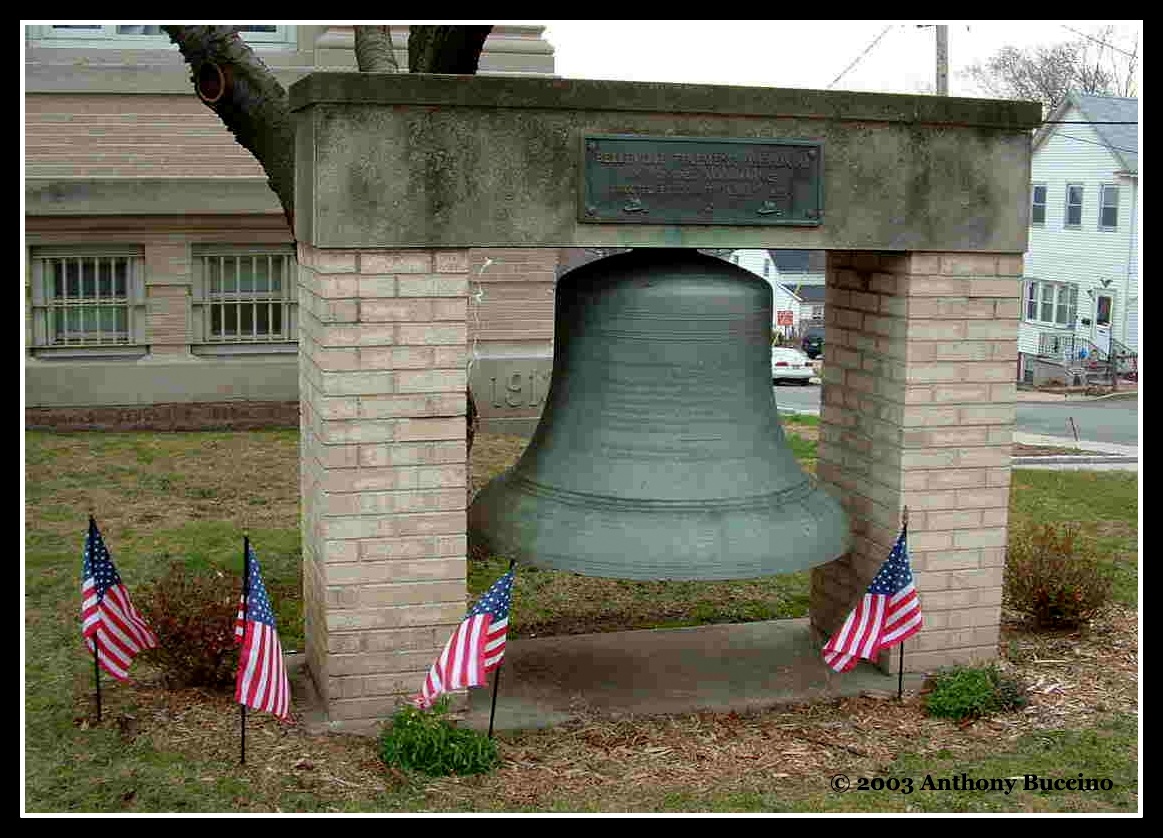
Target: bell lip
x: 666, y: 543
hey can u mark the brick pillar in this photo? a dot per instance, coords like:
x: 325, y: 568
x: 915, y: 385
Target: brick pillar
x: 919, y: 411
x: 382, y: 381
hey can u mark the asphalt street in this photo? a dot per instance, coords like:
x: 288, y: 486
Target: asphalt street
x: 1099, y: 420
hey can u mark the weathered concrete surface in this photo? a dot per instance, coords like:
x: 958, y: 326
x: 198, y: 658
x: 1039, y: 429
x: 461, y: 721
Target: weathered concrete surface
x: 66, y: 383
x: 547, y: 681
x: 510, y: 392
x: 749, y: 666
x: 454, y: 161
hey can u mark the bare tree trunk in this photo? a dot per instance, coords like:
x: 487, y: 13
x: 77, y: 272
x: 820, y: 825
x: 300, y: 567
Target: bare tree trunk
x: 446, y: 49
x: 234, y: 82
x: 374, y: 51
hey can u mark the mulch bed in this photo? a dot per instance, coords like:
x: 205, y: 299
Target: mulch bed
x: 1072, y: 680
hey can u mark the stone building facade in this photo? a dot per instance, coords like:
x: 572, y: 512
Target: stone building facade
x: 159, y: 273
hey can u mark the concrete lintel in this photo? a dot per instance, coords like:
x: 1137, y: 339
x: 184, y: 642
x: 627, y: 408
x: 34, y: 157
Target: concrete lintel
x: 410, y: 160
x: 658, y: 97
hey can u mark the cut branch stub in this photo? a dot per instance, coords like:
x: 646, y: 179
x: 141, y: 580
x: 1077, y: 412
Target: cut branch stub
x: 212, y: 82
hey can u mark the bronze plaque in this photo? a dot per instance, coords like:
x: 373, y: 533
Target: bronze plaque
x: 629, y: 179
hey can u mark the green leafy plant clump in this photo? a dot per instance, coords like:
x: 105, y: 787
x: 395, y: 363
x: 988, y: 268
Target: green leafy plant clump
x: 193, y: 615
x: 972, y: 692
x: 1051, y: 580
x: 426, y: 741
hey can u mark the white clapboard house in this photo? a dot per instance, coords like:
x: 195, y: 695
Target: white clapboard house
x: 797, y: 281
x: 1080, y: 300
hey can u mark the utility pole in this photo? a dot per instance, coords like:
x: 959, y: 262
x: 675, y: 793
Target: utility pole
x: 942, y: 60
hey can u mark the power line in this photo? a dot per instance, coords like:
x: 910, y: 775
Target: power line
x: 856, y: 61
x: 1097, y: 41
x: 1092, y: 142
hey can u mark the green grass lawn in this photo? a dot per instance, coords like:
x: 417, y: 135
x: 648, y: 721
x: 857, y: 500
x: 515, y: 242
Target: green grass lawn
x: 1103, y: 505
x: 189, y: 497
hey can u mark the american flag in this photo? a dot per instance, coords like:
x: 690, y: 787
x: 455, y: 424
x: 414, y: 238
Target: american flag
x: 262, y: 675
x: 107, y: 614
x: 889, y: 613
x: 475, y: 648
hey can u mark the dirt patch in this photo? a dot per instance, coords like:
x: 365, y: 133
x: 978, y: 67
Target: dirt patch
x: 491, y: 455
x: 169, y: 479
x: 1116, y: 529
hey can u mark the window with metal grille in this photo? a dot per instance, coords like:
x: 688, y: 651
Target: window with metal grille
x: 148, y: 35
x: 245, y: 296
x: 86, y: 300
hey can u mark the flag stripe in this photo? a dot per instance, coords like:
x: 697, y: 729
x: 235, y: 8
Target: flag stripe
x: 109, y: 622
x: 888, y: 613
x: 262, y: 681
x: 874, y: 627
x: 476, y: 646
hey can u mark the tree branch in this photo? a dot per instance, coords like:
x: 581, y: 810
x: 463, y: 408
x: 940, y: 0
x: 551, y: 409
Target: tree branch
x: 374, y: 51
x: 234, y: 83
x: 446, y: 49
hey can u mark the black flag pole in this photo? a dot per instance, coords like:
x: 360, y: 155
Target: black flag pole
x: 96, y: 635
x: 497, y: 673
x: 245, y: 608
x: 97, y: 673
x: 900, y: 675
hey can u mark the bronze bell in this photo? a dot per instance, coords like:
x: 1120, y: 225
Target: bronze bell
x: 659, y: 454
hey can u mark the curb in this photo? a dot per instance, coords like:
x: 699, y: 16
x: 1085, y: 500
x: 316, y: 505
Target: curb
x: 1073, y: 459
x: 1133, y: 395
x: 1072, y: 397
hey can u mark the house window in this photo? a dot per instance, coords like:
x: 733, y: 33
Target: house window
x: 245, y: 297
x: 147, y: 36
x: 1109, y: 208
x: 87, y: 301
x: 1073, y: 205
x: 1102, y: 310
x: 1047, y: 314
x: 1038, y: 206
x: 1052, y: 303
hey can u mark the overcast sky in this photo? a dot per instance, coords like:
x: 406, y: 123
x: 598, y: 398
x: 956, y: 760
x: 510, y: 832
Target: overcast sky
x: 800, y: 53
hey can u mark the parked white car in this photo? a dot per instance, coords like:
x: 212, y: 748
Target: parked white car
x: 790, y: 364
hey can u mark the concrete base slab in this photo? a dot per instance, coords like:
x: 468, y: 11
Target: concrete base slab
x: 751, y: 666
x: 548, y: 681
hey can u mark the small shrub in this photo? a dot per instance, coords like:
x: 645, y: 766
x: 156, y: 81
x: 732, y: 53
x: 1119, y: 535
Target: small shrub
x: 426, y: 741
x: 1049, y: 580
x: 971, y: 692
x: 193, y: 614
